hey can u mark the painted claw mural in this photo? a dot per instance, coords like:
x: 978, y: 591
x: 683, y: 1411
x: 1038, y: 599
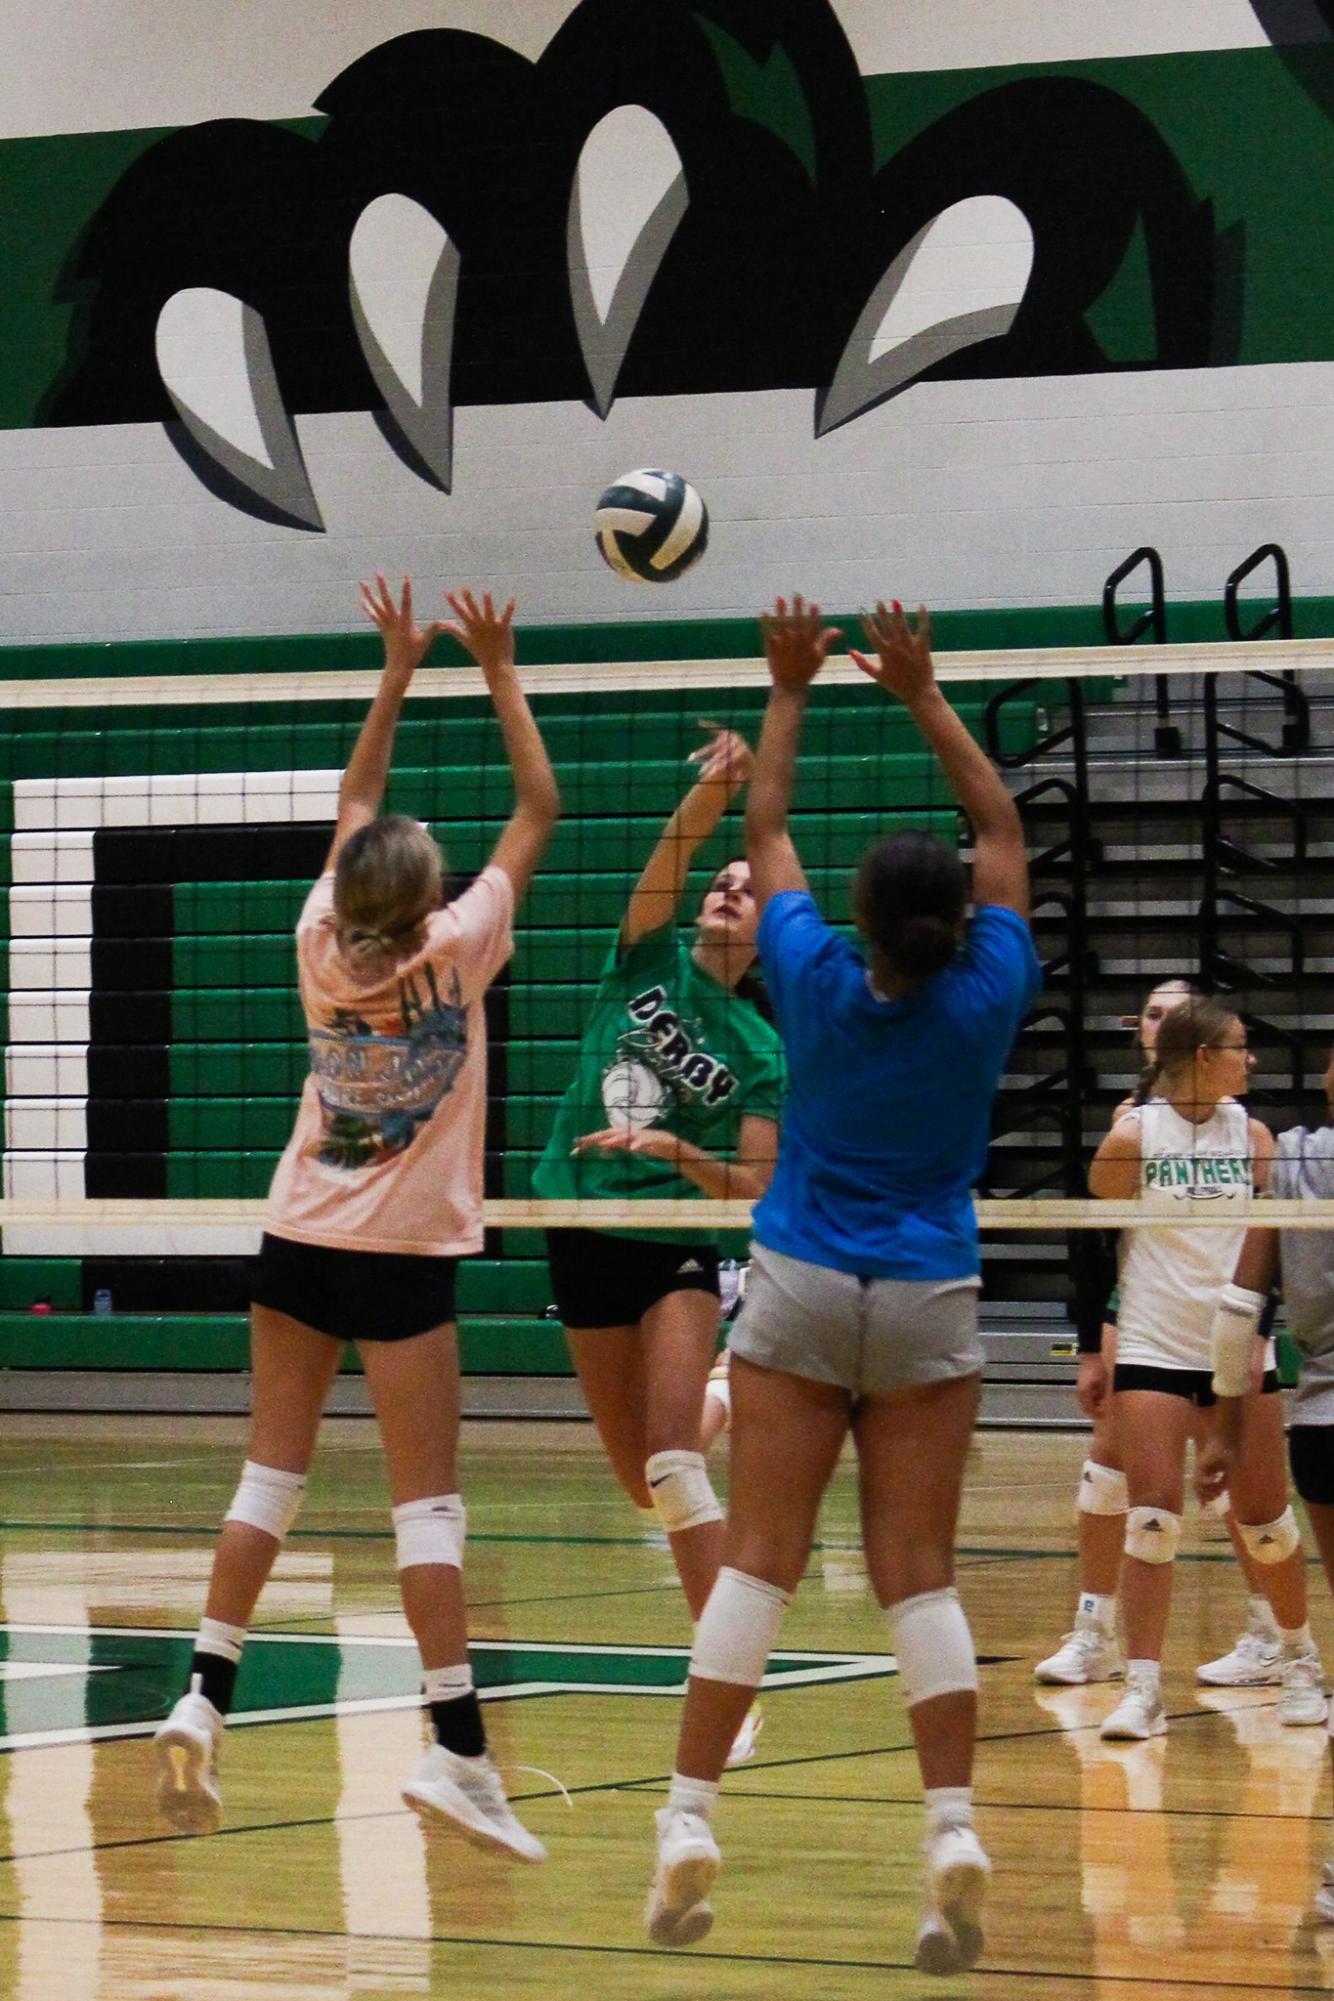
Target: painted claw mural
x: 672, y: 199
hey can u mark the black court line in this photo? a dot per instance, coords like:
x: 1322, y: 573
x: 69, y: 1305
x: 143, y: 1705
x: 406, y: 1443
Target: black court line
x: 1029, y: 1974
x: 644, y: 1784
x: 983, y: 1807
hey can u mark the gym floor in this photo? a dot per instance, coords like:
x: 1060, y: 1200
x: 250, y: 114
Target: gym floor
x: 1181, y: 1867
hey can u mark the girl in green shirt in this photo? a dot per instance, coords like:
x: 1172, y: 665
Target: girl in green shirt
x: 676, y: 1093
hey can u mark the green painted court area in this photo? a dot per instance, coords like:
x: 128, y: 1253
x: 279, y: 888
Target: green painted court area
x: 73, y: 1685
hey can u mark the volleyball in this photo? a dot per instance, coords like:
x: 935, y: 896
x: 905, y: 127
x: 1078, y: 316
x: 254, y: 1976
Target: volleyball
x: 651, y: 526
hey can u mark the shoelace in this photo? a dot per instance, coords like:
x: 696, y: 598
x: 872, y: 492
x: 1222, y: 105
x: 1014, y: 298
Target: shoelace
x: 541, y: 1774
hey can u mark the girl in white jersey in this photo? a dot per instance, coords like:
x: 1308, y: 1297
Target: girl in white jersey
x: 377, y: 1196
x: 1090, y: 1651
x: 1192, y: 1146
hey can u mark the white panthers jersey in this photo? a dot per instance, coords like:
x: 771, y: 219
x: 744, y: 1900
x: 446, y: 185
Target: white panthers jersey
x: 1171, y: 1279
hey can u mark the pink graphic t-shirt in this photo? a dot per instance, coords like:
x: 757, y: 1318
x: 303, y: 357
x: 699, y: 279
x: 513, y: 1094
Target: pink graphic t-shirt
x: 386, y: 1154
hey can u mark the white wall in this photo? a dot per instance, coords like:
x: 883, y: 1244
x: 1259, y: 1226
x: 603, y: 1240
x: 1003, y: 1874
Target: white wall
x: 981, y: 494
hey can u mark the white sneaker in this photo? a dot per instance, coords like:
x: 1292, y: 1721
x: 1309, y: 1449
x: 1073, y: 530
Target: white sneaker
x: 1086, y: 1654
x: 743, y: 1744
x: 186, y: 1749
x: 445, y: 1790
x: 1302, y: 1699
x: 1139, y: 1714
x: 957, y: 1873
x: 1324, y: 1896
x: 1255, y: 1662
x: 678, y: 1911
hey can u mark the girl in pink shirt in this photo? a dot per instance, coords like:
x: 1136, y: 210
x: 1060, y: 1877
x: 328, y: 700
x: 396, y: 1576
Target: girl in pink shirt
x: 376, y: 1197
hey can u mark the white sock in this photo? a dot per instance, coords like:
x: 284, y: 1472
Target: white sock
x: 1100, y: 1608
x: 948, y: 1806
x: 1260, y: 1618
x: 1296, y: 1643
x: 1147, y: 1674
x: 447, y: 1684
x: 693, y: 1795
x: 215, y: 1636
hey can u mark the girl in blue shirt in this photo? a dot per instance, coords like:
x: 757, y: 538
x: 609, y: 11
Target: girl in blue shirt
x: 861, y: 1310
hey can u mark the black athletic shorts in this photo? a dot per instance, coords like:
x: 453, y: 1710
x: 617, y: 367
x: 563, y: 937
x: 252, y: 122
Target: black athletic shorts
x: 1311, y: 1457
x: 602, y: 1281
x: 1195, y: 1385
x: 354, y: 1295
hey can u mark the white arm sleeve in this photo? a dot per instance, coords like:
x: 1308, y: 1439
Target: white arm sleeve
x: 1236, y: 1325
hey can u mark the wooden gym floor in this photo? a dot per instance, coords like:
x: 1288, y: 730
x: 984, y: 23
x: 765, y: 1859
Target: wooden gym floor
x: 1184, y: 1867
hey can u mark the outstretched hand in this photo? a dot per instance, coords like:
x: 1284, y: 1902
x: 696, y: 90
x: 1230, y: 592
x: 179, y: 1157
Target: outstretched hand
x: 902, y: 665
x: 481, y: 630
x: 726, y: 759
x: 795, y: 642
x: 406, y: 643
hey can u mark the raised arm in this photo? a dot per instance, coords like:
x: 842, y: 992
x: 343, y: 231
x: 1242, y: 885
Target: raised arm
x: 406, y: 645
x: 795, y: 646
x: 724, y: 766
x: 903, y: 667
x: 488, y: 635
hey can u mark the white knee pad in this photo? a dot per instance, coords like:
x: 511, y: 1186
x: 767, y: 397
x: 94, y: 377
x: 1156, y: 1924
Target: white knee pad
x: 1272, y: 1542
x: 1152, y: 1534
x: 267, y: 1498
x: 719, y: 1387
x: 430, y: 1531
x: 682, y: 1495
x: 737, y: 1628
x: 933, y: 1645
x: 1102, y: 1490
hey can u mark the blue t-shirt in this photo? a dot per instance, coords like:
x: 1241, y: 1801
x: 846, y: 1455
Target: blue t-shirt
x: 888, y: 1114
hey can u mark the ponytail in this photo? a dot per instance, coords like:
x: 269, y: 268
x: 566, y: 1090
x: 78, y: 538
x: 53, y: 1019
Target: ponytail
x: 386, y: 882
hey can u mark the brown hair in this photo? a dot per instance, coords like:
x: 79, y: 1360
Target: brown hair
x: 386, y: 881
x: 1199, y: 1023
x: 1148, y: 1076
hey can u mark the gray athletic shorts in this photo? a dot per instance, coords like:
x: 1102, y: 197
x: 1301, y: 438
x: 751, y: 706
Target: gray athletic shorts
x: 864, y: 1334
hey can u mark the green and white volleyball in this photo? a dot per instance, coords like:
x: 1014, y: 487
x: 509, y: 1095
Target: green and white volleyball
x: 651, y: 526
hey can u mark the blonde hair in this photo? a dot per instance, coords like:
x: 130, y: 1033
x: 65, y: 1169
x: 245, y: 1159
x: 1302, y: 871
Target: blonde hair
x: 385, y: 884
x: 1148, y: 1076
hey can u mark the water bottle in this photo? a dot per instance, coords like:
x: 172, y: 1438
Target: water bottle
x: 102, y: 1300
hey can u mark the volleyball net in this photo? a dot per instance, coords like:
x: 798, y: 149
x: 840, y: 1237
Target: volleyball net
x: 160, y: 837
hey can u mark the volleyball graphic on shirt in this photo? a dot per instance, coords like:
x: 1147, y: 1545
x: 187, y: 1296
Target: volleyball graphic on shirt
x: 632, y: 1096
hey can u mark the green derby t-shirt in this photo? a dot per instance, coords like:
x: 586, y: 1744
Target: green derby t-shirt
x: 666, y: 1046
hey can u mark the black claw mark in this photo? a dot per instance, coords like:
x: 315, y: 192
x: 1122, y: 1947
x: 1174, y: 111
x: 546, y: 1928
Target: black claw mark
x: 788, y: 227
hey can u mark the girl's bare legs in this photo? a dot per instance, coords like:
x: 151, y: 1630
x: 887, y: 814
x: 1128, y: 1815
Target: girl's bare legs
x: 645, y: 1392
x: 912, y: 1445
x: 1154, y: 1426
x: 414, y: 1386
x: 292, y: 1368
x: 1102, y: 1537
x: 786, y: 1436
x: 1259, y: 1489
